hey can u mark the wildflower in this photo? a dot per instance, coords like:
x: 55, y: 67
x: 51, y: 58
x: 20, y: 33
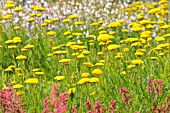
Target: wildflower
x: 17, y: 27
x: 88, y: 64
x: 66, y: 20
x: 153, y: 58
x: 85, y: 75
x: 65, y: 61
x: 67, y: 33
x: 85, y: 52
x: 103, y: 37
x: 159, y: 39
x: 114, y: 25
x: 51, y: 33
x: 125, y: 50
x: 94, y: 80
x: 17, y: 9
x: 71, y: 90
x: 94, y: 24
x: 19, y: 93
x: 21, y: 57
x: 139, y: 54
x: 124, y: 73
x: 113, y: 47
x: 12, y: 47
x: 137, y: 62
x: 59, y: 78
x: 97, y: 72
x: 73, y: 16
x: 79, y: 23
x: 32, y: 81
x: 18, y: 86
x: 39, y: 73
x: 31, y: 19
x: 18, y: 69
x: 54, y: 19
x: 29, y: 46
x: 99, y: 64
x: 9, y: 41
x: 50, y: 54
x: 80, y: 56
x: 83, y: 81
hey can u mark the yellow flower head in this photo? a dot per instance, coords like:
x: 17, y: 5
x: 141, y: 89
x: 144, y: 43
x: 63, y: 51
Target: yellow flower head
x: 59, y: 78
x: 137, y: 62
x: 94, y: 80
x: 73, y: 16
x: 17, y: 9
x: 21, y: 57
x: 51, y: 33
x: 32, y: 81
x: 85, y: 75
x: 18, y: 86
x: 97, y: 72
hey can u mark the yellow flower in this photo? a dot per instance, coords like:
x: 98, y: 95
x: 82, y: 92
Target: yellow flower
x: 85, y: 75
x: 97, y: 72
x: 17, y: 27
x: 17, y: 9
x: 8, y: 69
x: 99, y: 64
x: 101, y: 28
x: 85, y: 52
x: 139, y: 54
x: 47, y: 21
x: 18, y: 86
x: 39, y: 15
x: 21, y: 57
x: 102, y: 61
x: 124, y: 73
x: 125, y: 50
x: 50, y: 54
x: 94, y: 24
x: 130, y: 66
x: 9, y: 41
x: 94, y: 80
x: 99, y: 53
x: 65, y: 61
x: 59, y: 78
x: 88, y: 64
x: 32, y: 81
x: 83, y: 81
x: 29, y: 46
x: 67, y: 33
x: 23, y: 49
x: 8, y: 6
x: 73, y: 16
x: 137, y: 29
x: 80, y: 56
x: 153, y: 58
x: 39, y: 73
x: 12, y: 47
x: 137, y: 62
x: 101, y: 22
x: 159, y: 39
x: 113, y: 47
x: 104, y: 37
x: 114, y: 25
x: 54, y: 19
x: 44, y: 24
x: 71, y: 90
x: 18, y: 69
x: 66, y: 20
x: 31, y: 19
x: 19, y: 93
x: 51, y: 33
x: 79, y: 23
